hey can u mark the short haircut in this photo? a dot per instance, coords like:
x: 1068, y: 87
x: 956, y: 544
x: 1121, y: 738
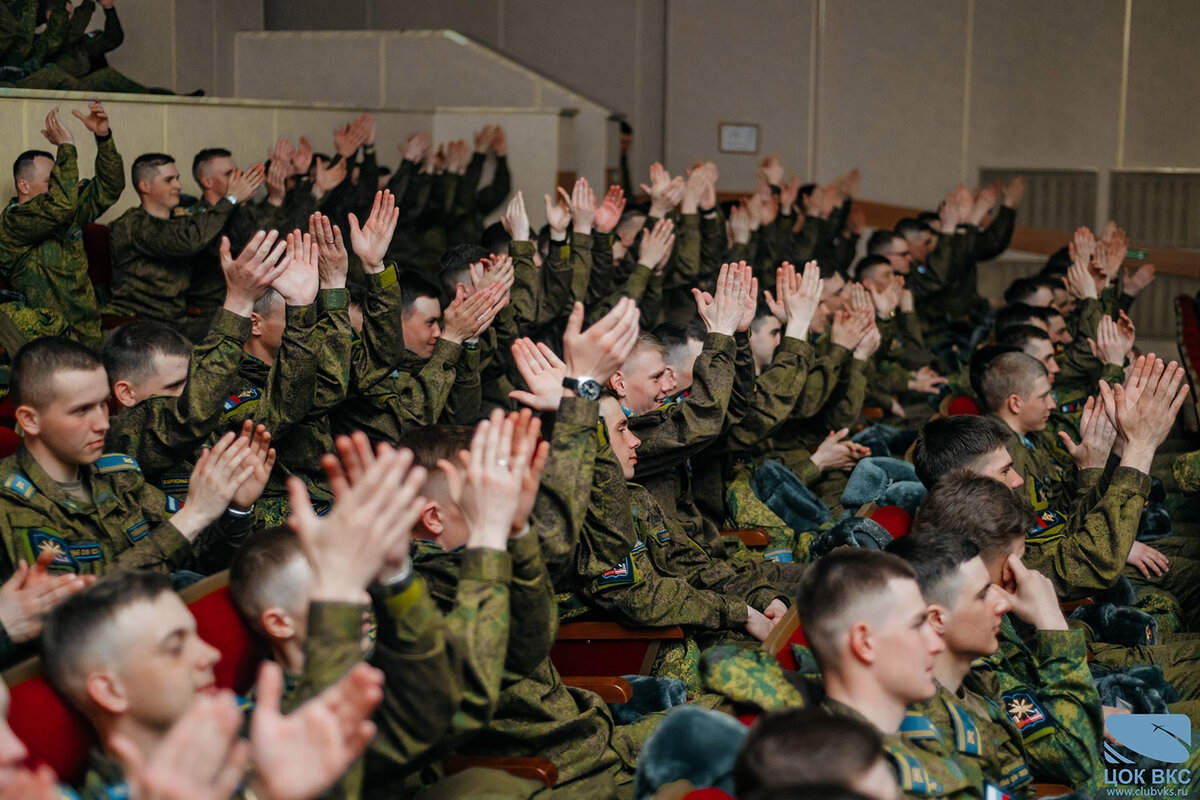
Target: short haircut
x: 145, y: 167
x: 979, y: 364
x: 26, y: 161
x: 495, y: 239
x: 1021, y: 335
x: 206, y: 155
x: 647, y: 342
x: 1023, y: 289
x: 936, y: 556
x: 674, y: 335
x: 129, y: 352
x: 989, y: 513
x: 880, y: 240
x: 257, y: 576
x: 32, y: 378
x: 836, y: 585
x: 358, y: 293
x: 414, y: 287
x: 929, y: 217
x: 1058, y: 263
x: 804, y: 745
x: 77, y: 632
x: 1009, y: 374
x: 910, y: 226
x: 265, y: 305
x: 830, y: 270
x: 432, y: 443
x: 1015, y: 314
x: 455, y: 266
x: 762, y: 313
x: 866, y: 266
x: 955, y: 442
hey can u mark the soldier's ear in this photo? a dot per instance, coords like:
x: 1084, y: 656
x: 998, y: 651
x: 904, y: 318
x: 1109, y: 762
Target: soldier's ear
x: 107, y: 691
x: 277, y: 623
x: 125, y: 393
x: 256, y: 324
x: 27, y: 417
x: 617, y: 383
x: 431, y: 518
x: 861, y: 645
x: 1014, y: 403
x: 937, y: 618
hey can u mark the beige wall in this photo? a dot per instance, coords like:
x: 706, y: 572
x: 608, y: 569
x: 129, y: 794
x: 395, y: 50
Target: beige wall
x: 918, y: 93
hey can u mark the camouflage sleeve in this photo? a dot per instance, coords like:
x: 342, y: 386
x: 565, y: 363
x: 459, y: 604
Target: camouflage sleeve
x: 110, y: 37
x: 381, y: 346
x: 580, y: 262
x: 601, y: 284
x: 407, y: 399
x: 1070, y: 754
x: 776, y: 391
x: 1078, y: 366
x: 684, y: 271
x: 672, y: 432
x: 164, y: 545
x: 940, y: 262
x: 995, y: 238
x: 846, y: 403
x: 99, y: 194
x: 534, y: 617
x: 742, y: 392
x: 464, y: 404
x: 179, y: 237
x: 333, y: 645
x: 332, y: 345
x: 713, y: 243
x: 465, y: 197
x: 615, y: 572
x: 441, y: 673
x: 774, y: 242
x: 400, y: 184
x: 1090, y: 553
x: 802, y: 244
x: 53, y: 37
x: 491, y: 196
x: 557, y: 276
x: 745, y: 251
x: 29, y: 223
x: 526, y: 289
x: 823, y: 378
x: 565, y: 491
x: 289, y: 394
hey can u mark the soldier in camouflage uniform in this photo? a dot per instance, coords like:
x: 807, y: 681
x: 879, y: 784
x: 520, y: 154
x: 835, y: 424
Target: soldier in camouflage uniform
x: 442, y: 672
x: 153, y: 243
x: 41, y: 230
x: 95, y: 512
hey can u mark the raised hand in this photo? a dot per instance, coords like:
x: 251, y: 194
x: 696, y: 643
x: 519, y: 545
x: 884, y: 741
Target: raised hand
x: 771, y: 170
x: 696, y: 185
x: 655, y: 247
x: 96, y: 120
x: 327, y: 178
x: 27, y: 596
x: 417, y: 147
x: 849, y: 328
x: 948, y: 213
x: 484, y: 138
x: 542, y: 371
x: 347, y: 139
x: 491, y: 487
x: 526, y: 449
x: 1083, y: 246
x: 252, y: 273
x: 300, y: 282
x: 741, y: 223
x: 371, y: 241
x: 497, y: 270
x: 857, y: 297
x: 608, y: 214
x: 261, y: 460
x: 1013, y: 191
x: 558, y: 215
x: 870, y: 341
x: 380, y: 507
x: 499, y: 142
x: 333, y: 262
x: 1110, y: 253
x: 303, y: 157
x: 583, y: 206
x: 243, y: 185
x: 1146, y: 423
x: 302, y: 754
x: 799, y: 295
x: 1096, y: 437
x: 722, y: 311
x: 1135, y: 282
x: 276, y: 180
x: 788, y: 195
x: 468, y: 317
x: 516, y: 220
x: 1079, y: 280
x: 887, y: 301
x: 600, y: 350
x: 219, y: 473
x: 1113, y: 342
x: 55, y: 132
x: 200, y: 758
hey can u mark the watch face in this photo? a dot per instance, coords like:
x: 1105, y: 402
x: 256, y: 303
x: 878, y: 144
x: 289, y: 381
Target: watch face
x: 588, y: 390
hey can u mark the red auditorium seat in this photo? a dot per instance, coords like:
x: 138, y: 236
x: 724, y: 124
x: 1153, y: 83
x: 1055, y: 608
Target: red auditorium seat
x: 962, y: 405
x: 894, y: 519
x: 9, y: 441
x: 8, y: 416
x: 786, y: 633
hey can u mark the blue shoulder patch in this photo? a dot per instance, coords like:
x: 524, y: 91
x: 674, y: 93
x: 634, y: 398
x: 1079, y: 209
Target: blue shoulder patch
x: 20, y: 485
x: 917, y: 726
x: 966, y: 734
x: 911, y: 776
x: 116, y: 462
x: 620, y: 575
x: 235, y: 400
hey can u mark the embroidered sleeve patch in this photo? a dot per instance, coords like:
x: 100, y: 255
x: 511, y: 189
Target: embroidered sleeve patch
x: 173, y: 505
x: 620, y: 575
x: 137, y: 530
x: 235, y: 400
x: 1026, y: 714
x: 40, y: 540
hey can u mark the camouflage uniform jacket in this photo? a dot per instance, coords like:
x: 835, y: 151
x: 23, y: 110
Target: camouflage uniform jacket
x: 41, y: 248
x: 127, y: 525
x: 982, y: 743
x: 152, y: 259
x: 163, y: 433
x: 921, y: 772
x: 1045, y: 692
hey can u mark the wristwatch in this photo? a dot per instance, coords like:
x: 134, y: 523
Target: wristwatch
x: 585, y: 387
x: 232, y: 198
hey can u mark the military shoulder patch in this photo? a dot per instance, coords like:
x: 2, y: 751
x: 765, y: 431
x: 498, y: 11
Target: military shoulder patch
x: 620, y: 575
x: 18, y: 484
x: 917, y: 726
x: 911, y: 776
x: 1026, y: 713
x: 116, y: 462
x: 40, y: 540
x: 137, y: 530
x: 173, y: 504
x: 966, y: 734
x: 235, y: 400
